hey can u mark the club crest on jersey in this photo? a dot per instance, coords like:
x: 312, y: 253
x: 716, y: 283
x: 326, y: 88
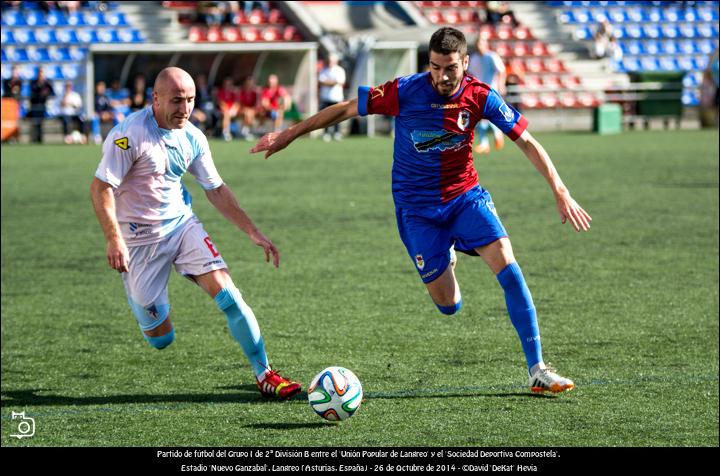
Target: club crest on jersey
x: 463, y: 120
x: 507, y: 112
x: 419, y: 262
x: 123, y: 143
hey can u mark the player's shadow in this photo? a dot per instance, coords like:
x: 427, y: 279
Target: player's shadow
x: 406, y: 395
x: 247, y: 394
x: 287, y: 426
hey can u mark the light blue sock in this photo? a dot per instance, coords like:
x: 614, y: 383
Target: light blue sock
x: 244, y: 328
x: 522, y: 312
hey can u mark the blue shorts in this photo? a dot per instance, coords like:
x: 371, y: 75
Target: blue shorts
x: 468, y: 221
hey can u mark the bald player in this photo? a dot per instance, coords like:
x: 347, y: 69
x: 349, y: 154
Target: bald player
x: 146, y: 215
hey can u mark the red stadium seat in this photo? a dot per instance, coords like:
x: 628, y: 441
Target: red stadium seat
x: 502, y: 48
x: 520, y: 48
x: 504, y: 32
x: 290, y: 33
x: 435, y: 16
x: 553, y: 80
x: 517, y: 65
x: 533, y: 81
x: 530, y: 101
x: 570, y: 81
x: 452, y: 17
x: 256, y: 17
x: 554, y: 65
x: 271, y: 33
x: 276, y: 17
x: 231, y: 33
x: 540, y: 49
x: 549, y: 100
x: 251, y: 34
x: 534, y: 65
x: 523, y: 33
x: 238, y: 18
x: 568, y: 99
x: 197, y: 33
x: 487, y: 31
x: 469, y: 16
x: 214, y: 34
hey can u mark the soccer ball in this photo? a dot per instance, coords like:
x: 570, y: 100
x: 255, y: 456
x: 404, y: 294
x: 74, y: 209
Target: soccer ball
x: 335, y: 393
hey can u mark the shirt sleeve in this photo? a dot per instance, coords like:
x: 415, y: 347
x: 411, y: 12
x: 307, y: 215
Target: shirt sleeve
x: 504, y: 116
x: 119, y: 154
x: 203, y: 166
x: 382, y: 99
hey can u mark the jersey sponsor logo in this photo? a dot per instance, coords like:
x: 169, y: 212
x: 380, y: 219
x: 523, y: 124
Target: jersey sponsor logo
x: 507, y: 112
x: 463, y: 120
x: 419, y: 261
x: 451, y: 105
x: 123, y: 143
x: 428, y: 274
x: 438, y: 141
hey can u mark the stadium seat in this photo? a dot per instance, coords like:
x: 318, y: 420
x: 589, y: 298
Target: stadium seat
x: 555, y: 65
x: 687, y: 63
x: 652, y: 31
x: 452, y: 17
x: 670, y: 31
x: 232, y: 33
x: 130, y: 35
x: 586, y: 99
x: 251, y: 34
x: 652, y: 47
x: 7, y: 37
x: 58, y: 54
x: 633, y: 31
x: 583, y: 33
x: 668, y: 63
x: 35, y: 18
x: 707, y: 31
x: 568, y: 99
x: 77, y: 53
x: 238, y: 18
x: 56, y: 18
x: 504, y: 32
x: 95, y: 19
x: 197, y: 33
x: 76, y: 19
x: 533, y: 81
x: 649, y: 63
x: 569, y: 81
x: 87, y: 35
x: 46, y: 36
x: 705, y: 46
x: 617, y: 15
x: 534, y: 65
x: 3, y: 56
x: 214, y: 34
x: 108, y: 35
x: 630, y: 64
x: 520, y: 48
x: 549, y: 100
x: 688, y: 31
x: 276, y: 17
x: 28, y: 71
x: 70, y: 71
x: 67, y: 35
x: 632, y: 47
x: 25, y: 36
x: 52, y: 72
x: 635, y: 14
x: 690, y: 98
x: 540, y: 49
x: 39, y: 55
x: 290, y: 33
x: 435, y: 16
x: 530, y: 101
x: 271, y: 33
x: 116, y: 19
x: 13, y: 17
x: 256, y: 17
x: 553, y: 80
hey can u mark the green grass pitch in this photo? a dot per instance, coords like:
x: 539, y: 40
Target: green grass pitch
x: 628, y: 310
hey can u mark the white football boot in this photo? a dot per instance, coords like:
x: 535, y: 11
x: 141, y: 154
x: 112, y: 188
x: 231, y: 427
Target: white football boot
x: 546, y: 380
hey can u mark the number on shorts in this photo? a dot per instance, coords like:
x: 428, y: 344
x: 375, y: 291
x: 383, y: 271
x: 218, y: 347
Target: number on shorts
x: 211, y: 247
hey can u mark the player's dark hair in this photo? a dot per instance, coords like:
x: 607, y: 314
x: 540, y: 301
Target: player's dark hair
x: 448, y: 40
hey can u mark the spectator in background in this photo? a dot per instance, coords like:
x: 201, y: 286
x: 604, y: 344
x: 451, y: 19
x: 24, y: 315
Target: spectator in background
x: 710, y: 92
x: 275, y: 101
x: 103, y: 112
x: 71, y: 112
x: 139, y: 97
x: 211, y: 13
x: 488, y: 67
x: 40, y: 91
x: 248, y: 7
x: 601, y: 39
x: 499, y: 12
x: 68, y: 7
x: 229, y: 106
x: 332, y: 83
x: 119, y: 100
x: 12, y: 87
x: 248, y: 100
x: 204, y: 115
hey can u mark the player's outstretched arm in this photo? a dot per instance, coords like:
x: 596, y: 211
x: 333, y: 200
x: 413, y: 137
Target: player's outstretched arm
x: 277, y: 141
x: 224, y: 200
x: 568, y: 208
x: 104, y: 204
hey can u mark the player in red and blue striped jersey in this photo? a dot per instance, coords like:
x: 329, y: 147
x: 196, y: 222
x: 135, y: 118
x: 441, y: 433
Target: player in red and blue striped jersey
x: 439, y: 203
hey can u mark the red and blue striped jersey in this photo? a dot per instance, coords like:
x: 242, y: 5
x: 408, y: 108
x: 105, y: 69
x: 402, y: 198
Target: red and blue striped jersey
x: 433, y: 159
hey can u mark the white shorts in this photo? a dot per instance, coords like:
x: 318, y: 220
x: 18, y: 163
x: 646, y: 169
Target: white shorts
x: 189, y: 249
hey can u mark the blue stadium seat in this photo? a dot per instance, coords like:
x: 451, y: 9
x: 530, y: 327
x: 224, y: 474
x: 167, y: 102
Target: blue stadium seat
x: 687, y: 63
x: 59, y: 54
x: 95, y: 19
x: 87, y: 35
x: 670, y: 31
x: 632, y: 47
x: 130, y: 35
x: 690, y: 98
x: 77, y: 53
x: 652, y: 30
x: 668, y: 63
x: 38, y: 55
x: 55, y: 18
x: 654, y: 15
x: 671, y: 15
x: 7, y: 37
x: 707, y: 30
x: 701, y: 62
x: 28, y: 71
x: 636, y: 15
x: 688, y: 31
x: 630, y: 64
x: 688, y: 47
x: 70, y: 71
x: 567, y: 17
x: 690, y: 80
x: 25, y: 36
x: 53, y: 72
x: 706, y: 46
x: 117, y: 19
x: 108, y: 35
x: 46, y: 36
x: 35, y: 18
x: 3, y: 56
x: 13, y: 18
x: 670, y: 47
x: 634, y: 31
x: 617, y: 15
x: 68, y: 36
x: 582, y: 16
x: 649, y: 63
x: 653, y: 47
x: 18, y: 55
x: 76, y: 19
x: 583, y: 33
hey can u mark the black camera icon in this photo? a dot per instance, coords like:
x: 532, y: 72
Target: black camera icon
x: 26, y: 425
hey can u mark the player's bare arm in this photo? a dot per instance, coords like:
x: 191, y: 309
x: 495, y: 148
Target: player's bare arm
x: 277, y: 141
x: 104, y: 205
x: 224, y: 200
x: 568, y: 208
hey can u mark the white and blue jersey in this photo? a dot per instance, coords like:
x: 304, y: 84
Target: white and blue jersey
x: 145, y: 164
